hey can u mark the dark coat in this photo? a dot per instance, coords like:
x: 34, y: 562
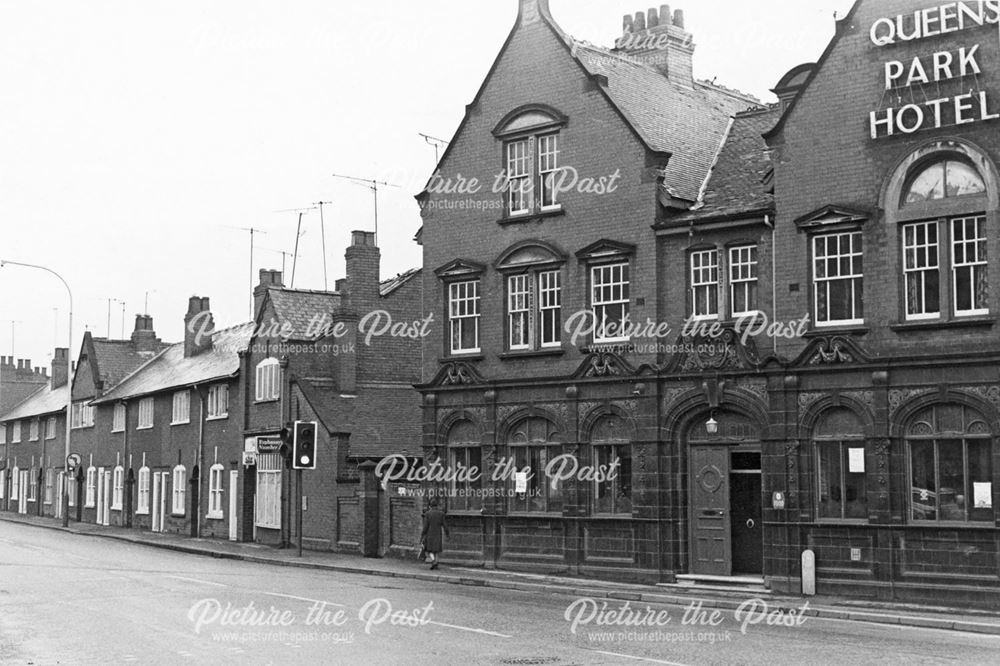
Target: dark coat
x: 434, y: 524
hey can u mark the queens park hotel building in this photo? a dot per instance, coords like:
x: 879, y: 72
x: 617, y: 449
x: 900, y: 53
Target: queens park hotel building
x: 811, y: 360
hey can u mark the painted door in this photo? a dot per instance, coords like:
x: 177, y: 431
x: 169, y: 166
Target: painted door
x: 23, y: 496
x: 157, y: 491
x: 711, y: 551
x: 746, y: 501
x: 164, y: 477
x: 107, y: 499
x: 234, y: 477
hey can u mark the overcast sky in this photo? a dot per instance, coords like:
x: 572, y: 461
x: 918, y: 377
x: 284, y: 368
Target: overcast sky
x: 137, y: 137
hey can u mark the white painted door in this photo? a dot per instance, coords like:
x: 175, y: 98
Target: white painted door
x: 60, y: 479
x: 163, y: 500
x: 234, y: 477
x: 107, y: 498
x: 23, y: 495
x: 155, y: 524
x: 99, y: 518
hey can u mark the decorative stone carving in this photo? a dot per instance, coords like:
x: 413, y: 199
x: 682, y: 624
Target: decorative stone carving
x: 899, y: 396
x: 459, y: 374
x: 989, y: 393
x: 671, y: 394
x: 807, y: 398
x: 864, y: 397
x: 756, y: 386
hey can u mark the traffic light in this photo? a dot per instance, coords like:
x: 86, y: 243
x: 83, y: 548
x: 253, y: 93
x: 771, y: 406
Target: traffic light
x: 304, y: 445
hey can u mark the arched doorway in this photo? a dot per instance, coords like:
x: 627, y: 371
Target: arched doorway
x: 724, y: 496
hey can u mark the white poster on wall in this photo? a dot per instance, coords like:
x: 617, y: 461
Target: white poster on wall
x: 856, y: 461
x: 982, y: 495
x: 520, y: 482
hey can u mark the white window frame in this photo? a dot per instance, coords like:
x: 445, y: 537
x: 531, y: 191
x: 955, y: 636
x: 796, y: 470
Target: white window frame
x: 178, y: 491
x: 518, y: 154
x: 50, y: 427
x: 975, y: 247
x: 267, y: 513
x: 519, y: 306
x: 464, y: 309
x: 33, y: 427
x: 82, y: 415
x: 15, y: 483
x: 704, y: 280
x: 90, y: 491
x: 142, y: 496
x: 614, y: 277
x: 118, y: 488
x: 50, y: 478
x: 71, y: 489
x: 550, y: 307
x: 920, y: 259
x: 147, y: 408
x: 744, y: 276
x: 216, y: 476
x: 3, y: 433
x: 548, y: 167
x: 118, y: 419
x: 181, y: 411
x: 218, y: 402
x: 3, y: 484
x: 32, y: 484
x: 267, y: 380
x: 16, y: 433
x: 857, y: 279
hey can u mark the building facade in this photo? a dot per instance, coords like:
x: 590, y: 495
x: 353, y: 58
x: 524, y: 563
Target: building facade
x: 819, y: 371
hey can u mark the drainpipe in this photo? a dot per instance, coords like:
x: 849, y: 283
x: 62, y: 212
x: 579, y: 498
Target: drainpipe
x: 774, y: 272
x: 129, y: 476
x: 201, y: 460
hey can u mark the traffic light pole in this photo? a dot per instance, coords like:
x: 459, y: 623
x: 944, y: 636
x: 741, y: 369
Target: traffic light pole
x: 298, y: 510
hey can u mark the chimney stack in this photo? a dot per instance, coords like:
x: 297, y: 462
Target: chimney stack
x: 198, y: 327
x: 658, y: 39
x: 60, y: 367
x: 362, y: 282
x: 268, y: 278
x: 144, y: 337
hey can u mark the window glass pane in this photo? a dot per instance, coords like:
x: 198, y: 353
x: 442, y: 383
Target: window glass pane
x: 962, y: 179
x: 923, y: 484
x: 928, y: 186
x: 980, y: 489
x: 951, y: 492
x: 830, y: 498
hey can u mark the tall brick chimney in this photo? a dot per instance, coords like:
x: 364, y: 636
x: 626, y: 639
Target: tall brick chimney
x: 659, y: 39
x: 198, y: 327
x: 268, y: 278
x: 144, y: 337
x: 60, y: 368
x: 363, y: 257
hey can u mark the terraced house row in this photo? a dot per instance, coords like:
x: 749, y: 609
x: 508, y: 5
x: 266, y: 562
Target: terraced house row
x: 184, y: 437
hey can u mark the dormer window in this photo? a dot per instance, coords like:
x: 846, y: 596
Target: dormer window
x: 531, y: 164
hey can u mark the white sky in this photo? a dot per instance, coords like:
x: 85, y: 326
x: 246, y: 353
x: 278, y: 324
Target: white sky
x: 135, y: 135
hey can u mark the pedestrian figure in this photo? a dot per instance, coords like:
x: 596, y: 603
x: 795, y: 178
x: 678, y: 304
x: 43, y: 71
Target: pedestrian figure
x: 430, y: 536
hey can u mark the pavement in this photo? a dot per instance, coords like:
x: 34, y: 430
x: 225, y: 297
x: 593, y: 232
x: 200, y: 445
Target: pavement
x: 836, y: 608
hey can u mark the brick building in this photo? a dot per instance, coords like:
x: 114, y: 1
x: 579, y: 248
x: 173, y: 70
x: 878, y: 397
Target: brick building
x: 515, y: 377
x: 102, y: 364
x: 33, y: 436
x: 821, y: 269
x: 883, y: 429
x: 331, y: 357
x: 171, y: 436
x: 18, y: 380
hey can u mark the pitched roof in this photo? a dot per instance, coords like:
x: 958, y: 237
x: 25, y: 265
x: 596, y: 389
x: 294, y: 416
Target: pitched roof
x: 738, y: 181
x: 45, y: 400
x: 116, y: 359
x: 688, y: 123
x: 298, y: 307
x: 171, y: 369
x: 386, y: 287
x: 372, y: 435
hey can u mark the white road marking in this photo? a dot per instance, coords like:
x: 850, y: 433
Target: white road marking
x: 196, y: 580
x: 472, y: 629
x: 306, y: 599
x: 628, y: 656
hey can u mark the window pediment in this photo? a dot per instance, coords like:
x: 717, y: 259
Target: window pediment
x: 606, y: 249
x: 529, y: 253
x: 529, y: 118
x: 460, y: 268
x: 832, y: 217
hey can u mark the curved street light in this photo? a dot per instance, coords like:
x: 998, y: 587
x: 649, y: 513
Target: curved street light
x: 69, y: 383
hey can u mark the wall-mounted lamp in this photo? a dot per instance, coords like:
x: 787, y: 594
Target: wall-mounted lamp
x: 712, y: 426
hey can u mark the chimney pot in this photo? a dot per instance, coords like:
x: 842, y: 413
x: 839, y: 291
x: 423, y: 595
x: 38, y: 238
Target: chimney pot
x: 679, y: 18
x: 666, y: 17
x: 652, y: 19
x: 194, y: 341
x: 640, y: 22
x: 363, y: 238
x: 627, y: 23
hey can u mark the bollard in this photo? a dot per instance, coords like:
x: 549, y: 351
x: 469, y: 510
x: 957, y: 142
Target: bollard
x: 808, y: 573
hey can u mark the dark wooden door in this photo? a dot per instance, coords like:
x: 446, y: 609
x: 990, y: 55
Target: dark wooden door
x: 748, y: 544
x: 711, y: 552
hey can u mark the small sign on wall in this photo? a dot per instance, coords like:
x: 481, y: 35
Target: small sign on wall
x: 520, y: 482
x: 249, y: 458
x: 778, y: 500
x: 856, y: 461
x: 982, y: 495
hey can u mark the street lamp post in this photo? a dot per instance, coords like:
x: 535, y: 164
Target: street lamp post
x: 69, y: 383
